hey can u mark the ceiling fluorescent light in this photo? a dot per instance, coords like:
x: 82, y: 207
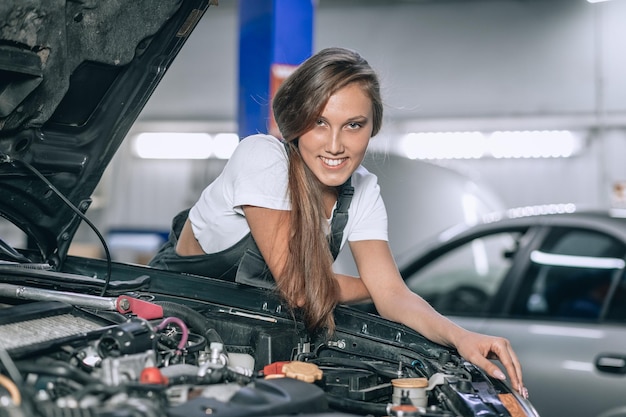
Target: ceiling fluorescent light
x: 501, y: 144
x: 224, y: 145
x: 444, y: 145
x: 172, y: 145
x: 596, y: 1
x: 184, y: 145
x: 534, y: 144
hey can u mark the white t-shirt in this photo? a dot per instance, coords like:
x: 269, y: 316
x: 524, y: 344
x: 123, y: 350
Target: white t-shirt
x: 256, y: 175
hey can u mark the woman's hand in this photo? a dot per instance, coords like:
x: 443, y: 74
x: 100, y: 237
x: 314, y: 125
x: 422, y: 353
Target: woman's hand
x: 479, y: 349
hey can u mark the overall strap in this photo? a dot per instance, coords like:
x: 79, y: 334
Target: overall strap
x: 340, y: 216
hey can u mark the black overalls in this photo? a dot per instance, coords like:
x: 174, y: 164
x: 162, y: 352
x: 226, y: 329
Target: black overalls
x: 242, y: 262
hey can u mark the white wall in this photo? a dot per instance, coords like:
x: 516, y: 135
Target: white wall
x: 445, y: 65
x: 439, y: 59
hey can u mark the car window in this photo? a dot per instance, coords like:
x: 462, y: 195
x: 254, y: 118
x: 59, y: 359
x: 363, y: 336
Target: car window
x: 464, y: 280
x: 570, y: 276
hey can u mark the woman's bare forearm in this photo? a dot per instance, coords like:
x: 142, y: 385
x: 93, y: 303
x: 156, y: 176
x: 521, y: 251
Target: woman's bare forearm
x: 352, y: 290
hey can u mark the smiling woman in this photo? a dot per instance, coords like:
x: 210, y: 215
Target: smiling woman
x: 280, y: 212
x: 326, y: 111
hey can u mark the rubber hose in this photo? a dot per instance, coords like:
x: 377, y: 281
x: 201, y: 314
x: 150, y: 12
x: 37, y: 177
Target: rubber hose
x: 56, y: 368
x: 191, y: 317
x: 352, y: 363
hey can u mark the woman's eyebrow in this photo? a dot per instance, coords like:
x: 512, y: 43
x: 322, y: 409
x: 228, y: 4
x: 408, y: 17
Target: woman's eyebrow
x: 358, y: 118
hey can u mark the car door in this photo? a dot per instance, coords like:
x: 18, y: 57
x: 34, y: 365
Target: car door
x: 566, y: 323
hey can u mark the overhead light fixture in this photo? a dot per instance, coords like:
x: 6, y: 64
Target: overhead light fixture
x: 184, y: 145
x: 596, y: 1
x: 224, y: 145
x: 500, y: 144
x: 444, y: 145
x: 533, y: 144
x: 541, y: 209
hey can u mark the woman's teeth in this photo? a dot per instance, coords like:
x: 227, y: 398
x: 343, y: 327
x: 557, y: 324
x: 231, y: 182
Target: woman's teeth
x: 333, y: 162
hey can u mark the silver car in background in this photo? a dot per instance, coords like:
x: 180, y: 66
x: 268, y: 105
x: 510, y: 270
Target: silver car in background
x: 554, y: 285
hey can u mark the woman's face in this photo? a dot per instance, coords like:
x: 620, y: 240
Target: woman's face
x: 336, y: 145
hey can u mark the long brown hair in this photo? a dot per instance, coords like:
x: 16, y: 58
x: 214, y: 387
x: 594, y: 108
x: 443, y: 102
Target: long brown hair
x: 297, y: 105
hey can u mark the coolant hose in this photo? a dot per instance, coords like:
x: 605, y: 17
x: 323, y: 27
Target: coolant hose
x: 190, y: 316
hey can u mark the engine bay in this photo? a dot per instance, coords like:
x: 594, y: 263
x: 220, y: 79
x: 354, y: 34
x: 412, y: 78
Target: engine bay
x: 142, y: 352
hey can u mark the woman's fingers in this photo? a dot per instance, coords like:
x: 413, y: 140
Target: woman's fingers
x: 479, y: 349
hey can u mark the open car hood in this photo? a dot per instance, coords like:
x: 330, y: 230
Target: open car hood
x: 74, y: 76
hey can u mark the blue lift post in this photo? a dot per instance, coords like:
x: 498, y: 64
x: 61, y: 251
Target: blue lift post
x: 272, y: 34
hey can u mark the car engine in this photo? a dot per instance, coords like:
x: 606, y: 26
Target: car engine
x: 146, y: 354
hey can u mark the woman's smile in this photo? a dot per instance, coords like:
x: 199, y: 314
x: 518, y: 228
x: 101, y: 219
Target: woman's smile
x: 333, y: 162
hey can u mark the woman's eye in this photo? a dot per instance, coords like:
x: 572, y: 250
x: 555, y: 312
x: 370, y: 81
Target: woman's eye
x: 319, y: 122
x: 354, y: 125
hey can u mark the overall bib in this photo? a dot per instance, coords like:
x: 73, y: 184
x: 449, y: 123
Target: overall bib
x: 242, y: 262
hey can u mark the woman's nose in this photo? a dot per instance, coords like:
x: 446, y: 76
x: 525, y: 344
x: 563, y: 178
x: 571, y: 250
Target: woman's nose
x: 334, y: 145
